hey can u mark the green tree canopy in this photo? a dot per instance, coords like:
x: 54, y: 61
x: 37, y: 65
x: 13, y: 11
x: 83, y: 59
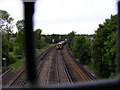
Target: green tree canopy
x: 104, y: 47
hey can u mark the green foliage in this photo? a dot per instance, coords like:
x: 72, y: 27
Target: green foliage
x: 16, y: 65
x: 57, y: 38
x: 80, y: 47
x: 6, y: 27
x: 48, y: 39
x: 104, y: 47
x: 4, y: 15
x: 38, y: 41
x: 18, y: 49
x: 12, y: 44
x: 6, y: 24
x: 70, y: 37
x: 10, y: 58
x: 20, y: 25
x: 101, y: 53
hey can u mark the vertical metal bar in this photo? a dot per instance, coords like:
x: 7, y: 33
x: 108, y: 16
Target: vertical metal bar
x: 0, y: 58
x: 29, y: 43
x: 118, y: 44
x: 118, y: 34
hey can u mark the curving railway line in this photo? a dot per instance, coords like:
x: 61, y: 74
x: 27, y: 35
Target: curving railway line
x: 54, y: 67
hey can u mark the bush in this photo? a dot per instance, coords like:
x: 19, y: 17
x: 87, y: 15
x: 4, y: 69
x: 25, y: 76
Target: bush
x: 104, y: 47
x: 17, y: 50
x: 80, y: 47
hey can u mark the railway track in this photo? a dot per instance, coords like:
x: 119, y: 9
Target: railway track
x: 60, y: 71
x: 66, y: 69
x: 54, y: 70
x: 19, y: 79
x: 40, y: 59
x: 86, y: 72
x: 55, y: 67
x: 80, y: 74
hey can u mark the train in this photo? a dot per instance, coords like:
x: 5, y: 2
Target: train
x: 60, y: 45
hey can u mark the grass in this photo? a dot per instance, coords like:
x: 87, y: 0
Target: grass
x: 20, y: 62
x: 16, y: 65
x: 92, y: 69
x: 45, y: 47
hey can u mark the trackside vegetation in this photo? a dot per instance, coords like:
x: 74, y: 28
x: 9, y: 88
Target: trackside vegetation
x: 100, y: 53
x: 104, y: 48
x: 97, y: 51
x: 13, y: 43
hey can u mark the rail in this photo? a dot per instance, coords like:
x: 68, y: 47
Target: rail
x: 66, y: 70
x: 31, y: 69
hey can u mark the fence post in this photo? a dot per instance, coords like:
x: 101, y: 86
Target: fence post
x: 29, y: 43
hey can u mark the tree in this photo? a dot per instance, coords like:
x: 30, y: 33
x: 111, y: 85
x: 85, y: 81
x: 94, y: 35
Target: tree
x: 18, y: 49
x: 6, y: 27
x: 6, y: 24
x: 81, y: 49
x: 38, y: 41
x: 20, y: 25
x: 104, y: 47
x: 48, y: 39
x: 70, y: 37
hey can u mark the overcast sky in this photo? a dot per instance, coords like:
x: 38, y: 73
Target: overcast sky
x: 64, y: 16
